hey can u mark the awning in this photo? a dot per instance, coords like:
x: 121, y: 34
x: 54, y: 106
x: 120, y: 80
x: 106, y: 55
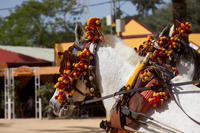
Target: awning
x: 49, y: 70
x: 29, y: 71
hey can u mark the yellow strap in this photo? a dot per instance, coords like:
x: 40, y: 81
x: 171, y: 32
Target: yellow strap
x: 107, y: 117
x: 135, y: 74
x: 110, y: 130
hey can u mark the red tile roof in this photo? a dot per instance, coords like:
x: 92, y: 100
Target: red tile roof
x: 12, y: 57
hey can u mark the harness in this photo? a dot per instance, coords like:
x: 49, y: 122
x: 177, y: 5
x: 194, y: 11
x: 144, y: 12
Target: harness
x: 124, y: 114
x: 138, y: 116
x: 129, y: 111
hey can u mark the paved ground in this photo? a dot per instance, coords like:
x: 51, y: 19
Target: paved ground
x: 51, y: 126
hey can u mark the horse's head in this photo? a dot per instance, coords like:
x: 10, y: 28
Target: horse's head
x: 67, y: 107
x: 186, y: 59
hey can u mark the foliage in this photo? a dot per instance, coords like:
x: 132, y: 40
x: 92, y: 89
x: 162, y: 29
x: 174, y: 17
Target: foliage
x: 179, y: 10
x: 144, y: 6
x: 44, y: 22
x: 105, y: 29
x: 163, y: 16
x: 39, y: 23
x: 45, y: 93
x: 159, y: 19
x: 193, y: 9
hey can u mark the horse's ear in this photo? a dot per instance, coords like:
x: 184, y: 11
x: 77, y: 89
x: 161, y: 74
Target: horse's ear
x: 165, y: 31
x: 79, y: 32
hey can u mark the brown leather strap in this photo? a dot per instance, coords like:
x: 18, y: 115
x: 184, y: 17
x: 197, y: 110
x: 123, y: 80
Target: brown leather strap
x: 136, y: 90
x: 80, y: 92
x: 169, y: 88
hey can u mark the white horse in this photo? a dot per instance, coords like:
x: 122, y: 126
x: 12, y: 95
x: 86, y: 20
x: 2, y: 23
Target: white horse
x: 115, y: 62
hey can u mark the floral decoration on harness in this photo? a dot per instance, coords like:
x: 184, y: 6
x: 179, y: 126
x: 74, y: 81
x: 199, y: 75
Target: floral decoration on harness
x: 154, y: 72
x: 163, y: 52
x: 80, y: 67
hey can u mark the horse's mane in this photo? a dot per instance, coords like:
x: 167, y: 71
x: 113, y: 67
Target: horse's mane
x: 189, y: 53
x: 132, y: 57
x: 128, y: 53
x: 122, y: 49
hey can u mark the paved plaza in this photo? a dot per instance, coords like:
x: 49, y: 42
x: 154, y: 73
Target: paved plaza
x: 51, y: 126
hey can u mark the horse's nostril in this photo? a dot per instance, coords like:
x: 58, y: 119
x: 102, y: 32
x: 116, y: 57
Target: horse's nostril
x: 53, y: 107
x: 63, y: 111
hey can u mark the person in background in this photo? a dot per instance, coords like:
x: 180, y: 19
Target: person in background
x: 30, y: 106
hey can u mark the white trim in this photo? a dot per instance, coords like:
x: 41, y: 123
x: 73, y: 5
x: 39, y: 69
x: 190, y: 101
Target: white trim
x: 40, y: 53
x: 194, y: 46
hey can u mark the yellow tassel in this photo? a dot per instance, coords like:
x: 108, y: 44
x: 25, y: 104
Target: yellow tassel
x: 154, y: 105
x: 165, y: 97
x: 85, y: 66
x: 60, y: 78
x: 65, y: 81
x: 68, y: 63
x: 71, y: 79
x: 79, y: 53
x: 67, y: 71
x: 161, y: 101
x: 72, y: 92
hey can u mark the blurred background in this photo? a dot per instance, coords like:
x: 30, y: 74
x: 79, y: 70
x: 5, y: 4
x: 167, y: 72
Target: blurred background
x: 32, y: 32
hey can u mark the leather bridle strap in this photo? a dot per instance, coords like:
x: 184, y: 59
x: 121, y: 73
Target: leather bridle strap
x: 169, y: 88
x: 80, y: 92
x: 139, y: 89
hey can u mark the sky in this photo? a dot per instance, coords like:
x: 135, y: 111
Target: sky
x: 8, y: 4
x: 97, y: 11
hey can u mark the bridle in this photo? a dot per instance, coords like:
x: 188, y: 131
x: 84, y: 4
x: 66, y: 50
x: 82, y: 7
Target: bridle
x: 89, y: 77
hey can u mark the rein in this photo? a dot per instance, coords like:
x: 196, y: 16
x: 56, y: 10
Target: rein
x: 133, y: 90
x: 169, y: 87
x: 179, y: 105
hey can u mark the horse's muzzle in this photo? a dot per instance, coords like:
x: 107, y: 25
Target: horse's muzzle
x: 62, y: 111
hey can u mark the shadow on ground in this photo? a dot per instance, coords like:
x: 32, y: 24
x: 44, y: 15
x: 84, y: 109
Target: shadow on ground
x: 72, y: 129
x: 5, y: 124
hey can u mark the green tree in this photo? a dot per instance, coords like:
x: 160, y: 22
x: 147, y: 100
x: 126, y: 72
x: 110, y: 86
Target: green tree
x: 193, y: 9
x: 164, y: 16
x: 39, y: 23
x: 45, y: 93
x: 105, y: 28
x: 179, y: 10
x: 145, y: 6
x: 159, y: 19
